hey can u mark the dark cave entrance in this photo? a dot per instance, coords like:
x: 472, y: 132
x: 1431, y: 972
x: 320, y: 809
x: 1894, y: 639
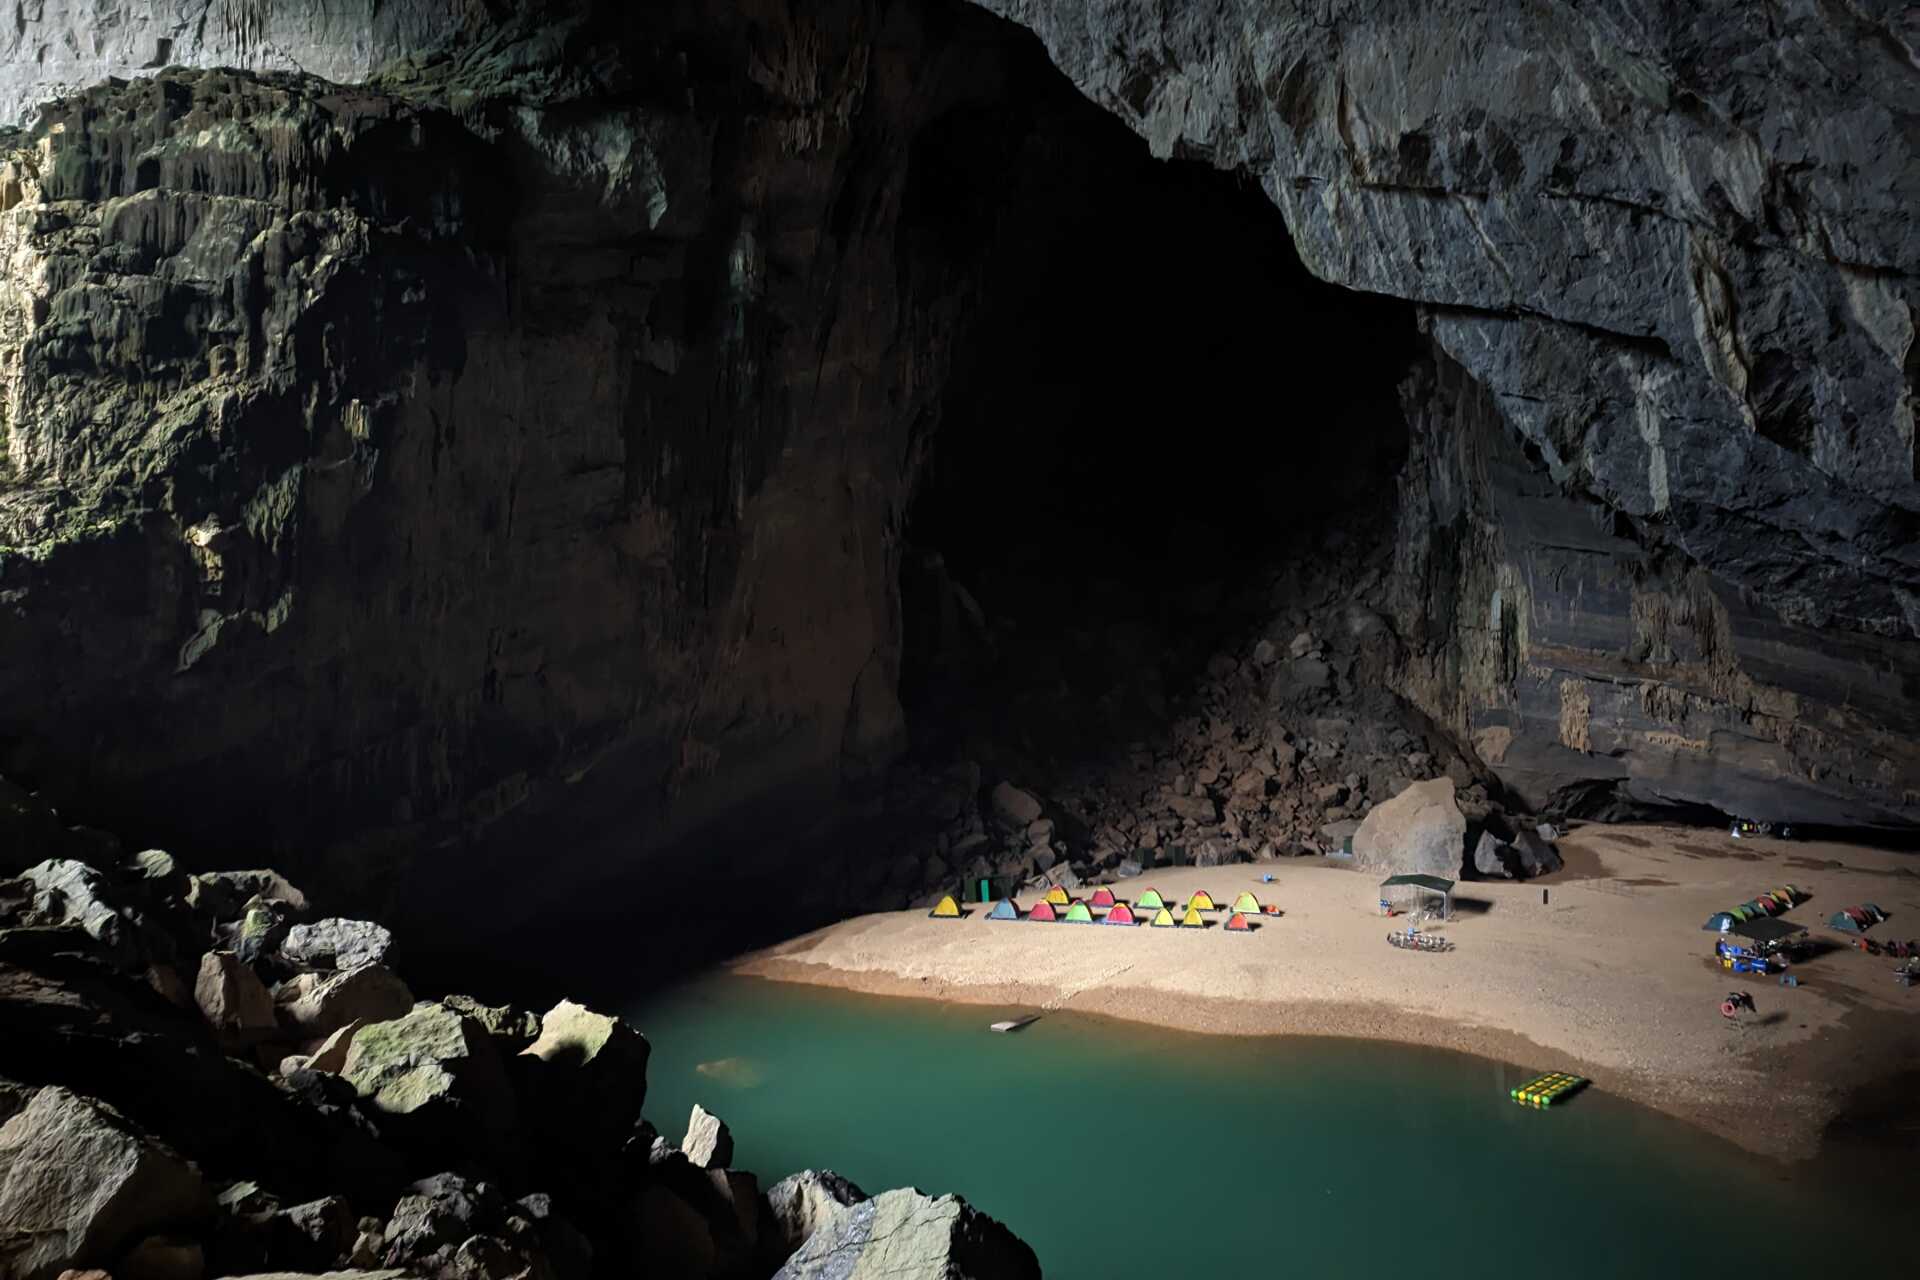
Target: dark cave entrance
x: 1154, y: 409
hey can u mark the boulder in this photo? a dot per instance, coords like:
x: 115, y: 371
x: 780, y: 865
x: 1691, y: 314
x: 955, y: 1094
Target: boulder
x: 1538, y: 856
x: 69, y: 893
x: 78, y: 1185
x: 1197, y: 809
x: 312, y: 1006
x: 907, y: 1235
x: 337, y: 944
x: 803, y: 1203
x: 1014, y: 807
x: 1421, y: 831
x: 512, y: 1029
x: 591, y: 1077
x: 709, y: 1143
x: 1494, y: 859
x: 233, y: 1001
x: 437, y: 1073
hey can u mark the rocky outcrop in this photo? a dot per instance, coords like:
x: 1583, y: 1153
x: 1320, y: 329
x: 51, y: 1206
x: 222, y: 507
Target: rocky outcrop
x: 1663, y: 267
x: 144, y: 1137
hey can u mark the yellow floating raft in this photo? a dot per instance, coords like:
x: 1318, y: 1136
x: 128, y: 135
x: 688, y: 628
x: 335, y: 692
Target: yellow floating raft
x: 1544, y: 1091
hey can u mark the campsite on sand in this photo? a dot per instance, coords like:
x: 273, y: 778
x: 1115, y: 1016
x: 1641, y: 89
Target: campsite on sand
x: 1612, y: 977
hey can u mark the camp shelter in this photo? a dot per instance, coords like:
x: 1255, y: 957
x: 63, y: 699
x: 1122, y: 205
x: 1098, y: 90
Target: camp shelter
x: 1042, y: 911
x: 1077, y: 913
x: 1245, y: 903
x: 1201, y: 901
x: 1162, y: 919
x: 1005, y: 909
x: 1237, y: 923
x: 1150, y: 901
x: 1058, y: 896
x: 1192, y: 919
x: 1101, y: 897
x: 1120, y: 914
x: 1719, y: 922
x: 1768, y: 936
x: 1424, y: 887
x: 945, y: 909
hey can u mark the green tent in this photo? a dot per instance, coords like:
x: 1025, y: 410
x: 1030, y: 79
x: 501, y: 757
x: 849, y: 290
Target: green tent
x: 1077, y: 913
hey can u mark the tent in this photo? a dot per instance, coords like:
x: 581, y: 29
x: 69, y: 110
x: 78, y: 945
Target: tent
x: 1005, y: 909
x: 1150, y: 901
x: 945, y: 909
x: 1238, y: 924
x: 1246, y: 903
x: 1058, y: 896
x: 1121, y: 914
x: 1162, y: 919
x: 1201, y: 901
x: 1192, y: 919
x: 1435, y: 885
x: 1719, y: 922
x: 1078, y: 914
x: 1043, y: 911
x: 1102, y: 897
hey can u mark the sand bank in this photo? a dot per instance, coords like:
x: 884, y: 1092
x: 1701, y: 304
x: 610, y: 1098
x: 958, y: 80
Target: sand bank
x: 1611, y: 977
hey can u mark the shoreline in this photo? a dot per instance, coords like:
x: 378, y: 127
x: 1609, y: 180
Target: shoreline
x: 1619, y: 990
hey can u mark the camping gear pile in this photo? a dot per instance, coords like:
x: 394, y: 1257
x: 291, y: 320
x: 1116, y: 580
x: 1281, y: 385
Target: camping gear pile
x: 1856, y: 919
x: 1742, y: 829
x: 1058, y: 907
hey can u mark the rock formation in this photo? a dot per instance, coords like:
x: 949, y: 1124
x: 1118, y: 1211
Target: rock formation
x: 155, y: 1135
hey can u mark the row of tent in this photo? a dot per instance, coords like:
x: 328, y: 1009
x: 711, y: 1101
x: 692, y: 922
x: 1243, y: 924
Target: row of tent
x: 1150, y: 900
x: 1856, y: 919
x: 1770, y: 903
x: 1076, y: 911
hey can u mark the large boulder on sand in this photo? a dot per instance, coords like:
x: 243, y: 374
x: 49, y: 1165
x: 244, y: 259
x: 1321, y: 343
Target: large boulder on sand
x: 906, y: 1235
x: 437, y: 1073
x: 802, y: 1203
x: 709, y: 1143
x: 78, y: 1184
x: 1421, y: 831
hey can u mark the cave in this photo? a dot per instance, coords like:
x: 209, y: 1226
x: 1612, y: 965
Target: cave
x: 566, y: 564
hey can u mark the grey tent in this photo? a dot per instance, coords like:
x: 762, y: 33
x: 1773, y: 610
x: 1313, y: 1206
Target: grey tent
x: 1427, y: 885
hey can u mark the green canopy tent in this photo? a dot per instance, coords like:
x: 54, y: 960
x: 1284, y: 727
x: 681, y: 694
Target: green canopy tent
x: 1423, y: 887
x: 1719, y: 922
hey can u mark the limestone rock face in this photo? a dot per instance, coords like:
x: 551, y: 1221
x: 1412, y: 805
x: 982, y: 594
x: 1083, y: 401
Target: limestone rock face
x: 1421, y: 831
x: 906, y: 1235
x: 1669, y: 257
x: 805, y: 1202
x: 77, y: 1184
x: 709, y: 1143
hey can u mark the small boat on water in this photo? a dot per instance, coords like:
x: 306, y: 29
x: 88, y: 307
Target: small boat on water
x: 1411, y: 941
x: 1013, y: 1024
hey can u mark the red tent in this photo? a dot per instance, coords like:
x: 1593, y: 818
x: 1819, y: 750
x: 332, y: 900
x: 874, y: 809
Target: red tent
x: 1102, y: 897
x: 1121, y: 914
x: 1239, y: 924
x: 1042, y: 910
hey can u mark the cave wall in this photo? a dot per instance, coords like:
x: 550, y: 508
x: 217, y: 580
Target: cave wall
x: 1668, y: 253
x: 523, y: 436
x: 524, y: 433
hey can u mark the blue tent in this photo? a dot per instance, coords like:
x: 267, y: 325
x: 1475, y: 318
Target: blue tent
x: 1719, y: 922
x: 1004, y: 910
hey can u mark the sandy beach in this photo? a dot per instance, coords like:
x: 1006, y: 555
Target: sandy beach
x: 1611, y: 977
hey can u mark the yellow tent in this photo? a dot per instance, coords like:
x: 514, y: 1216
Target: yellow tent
x: 1058, y: 896
x: 1162, y: 919
x: 945, y: 909
x: 1246, y: 903
x: 1201, y: 901
x: 1192, y: 919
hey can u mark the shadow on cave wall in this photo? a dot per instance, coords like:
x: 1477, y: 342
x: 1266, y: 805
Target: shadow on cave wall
x: 1155, y: 406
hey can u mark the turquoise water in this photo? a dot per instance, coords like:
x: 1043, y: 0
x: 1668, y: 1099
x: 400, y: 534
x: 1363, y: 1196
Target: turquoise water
x: 1119, y: 1151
